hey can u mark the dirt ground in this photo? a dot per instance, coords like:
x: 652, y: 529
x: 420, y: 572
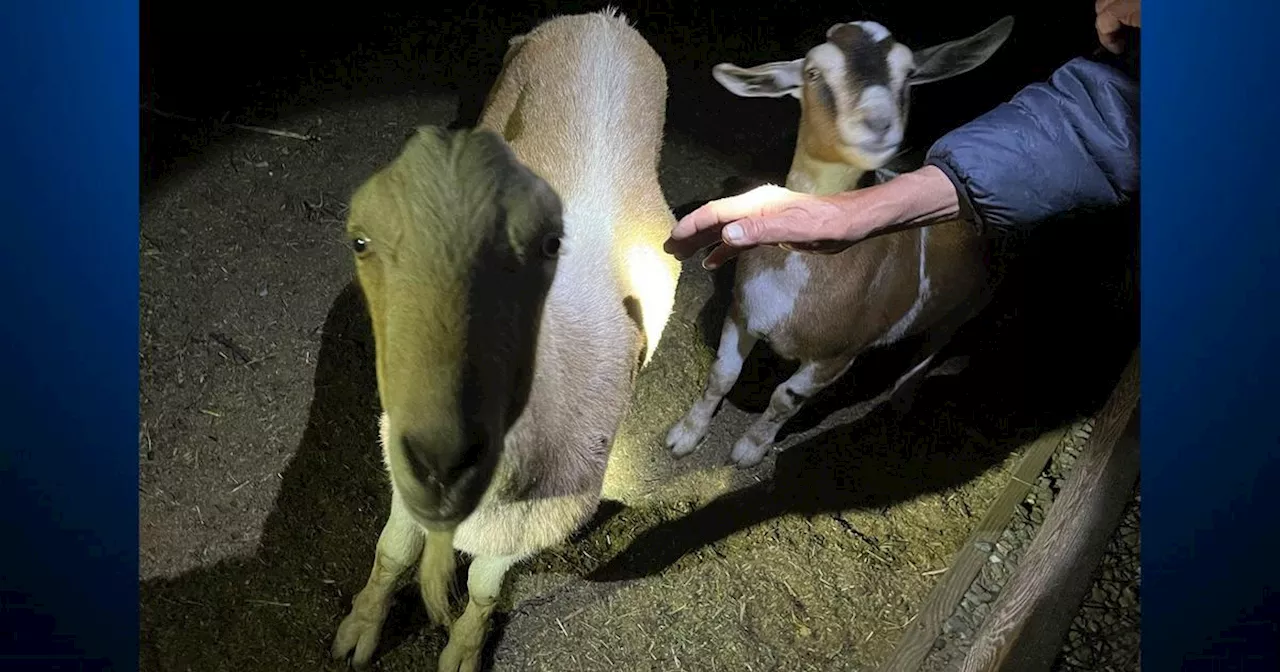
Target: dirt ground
x: 262, y: 492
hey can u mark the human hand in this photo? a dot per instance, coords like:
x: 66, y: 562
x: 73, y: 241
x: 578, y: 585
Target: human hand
x: 1113, y: 16
x: 772, y: 215
x: 766, y: 215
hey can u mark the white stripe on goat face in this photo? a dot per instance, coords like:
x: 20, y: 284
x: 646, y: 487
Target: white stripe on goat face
x: 857, y: 79
x: 875, y: 31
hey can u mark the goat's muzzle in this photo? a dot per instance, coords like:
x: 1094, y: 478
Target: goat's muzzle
x: 450, y: 479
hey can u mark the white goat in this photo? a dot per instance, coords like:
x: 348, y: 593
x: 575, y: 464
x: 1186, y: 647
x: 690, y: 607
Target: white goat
x: 825, y: 309
x: 505, y: 364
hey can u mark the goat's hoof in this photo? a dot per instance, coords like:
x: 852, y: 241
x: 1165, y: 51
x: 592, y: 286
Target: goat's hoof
x: 454, y: 660
x: 461, y: 656
x: 684, y: 437
x: 357, y: 638
x: 748, y: 453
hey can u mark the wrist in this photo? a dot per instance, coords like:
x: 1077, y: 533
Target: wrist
x: 917, y: 198
x: 925, y: 195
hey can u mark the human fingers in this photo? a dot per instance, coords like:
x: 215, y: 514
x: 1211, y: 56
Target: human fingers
x: 724, y: 252
x: 714, y: 214
x: 792, y: 223
x: 1108, y: 27
x: 818, y: 246
x: 721, y: 254
x: 800, y: 223
x: 793, y: 228
x: 684, y: 248
x: 1127, y: 12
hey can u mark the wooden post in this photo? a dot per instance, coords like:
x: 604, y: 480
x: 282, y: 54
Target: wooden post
x: 1034, y: 611
x: 917, y: 640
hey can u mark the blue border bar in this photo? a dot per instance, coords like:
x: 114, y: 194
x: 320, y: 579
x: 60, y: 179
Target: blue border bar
x: 69, y: 195
x: 1211, y: 296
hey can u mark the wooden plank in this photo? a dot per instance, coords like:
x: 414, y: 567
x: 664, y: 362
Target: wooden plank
x: 1034, y: 611
x: 918, y: 637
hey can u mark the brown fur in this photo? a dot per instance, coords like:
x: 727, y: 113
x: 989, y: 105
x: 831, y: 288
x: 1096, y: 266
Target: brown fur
x: 870, y: 287
x: 823, y: 310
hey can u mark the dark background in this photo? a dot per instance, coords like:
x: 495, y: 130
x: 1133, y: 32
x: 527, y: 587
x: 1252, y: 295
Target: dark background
x: 247, y: 61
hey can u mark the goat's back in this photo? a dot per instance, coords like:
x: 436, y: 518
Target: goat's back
x: 581, y: 100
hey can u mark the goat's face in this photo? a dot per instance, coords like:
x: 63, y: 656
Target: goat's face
x: 456, y: 245
x: 855, y: 87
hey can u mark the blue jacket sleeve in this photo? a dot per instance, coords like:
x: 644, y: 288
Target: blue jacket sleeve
x: 1070, y: 143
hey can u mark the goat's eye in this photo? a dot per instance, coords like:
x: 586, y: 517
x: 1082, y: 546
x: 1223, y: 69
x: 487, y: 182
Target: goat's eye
x: 812, y: 74
x: 551, y: 246
x: 359, y: 244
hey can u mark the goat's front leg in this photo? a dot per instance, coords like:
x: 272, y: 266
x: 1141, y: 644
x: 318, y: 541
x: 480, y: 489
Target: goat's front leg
x: 735, y: 344
x: 468, y: 633
x: 787, y: 400
x: 399, y: 546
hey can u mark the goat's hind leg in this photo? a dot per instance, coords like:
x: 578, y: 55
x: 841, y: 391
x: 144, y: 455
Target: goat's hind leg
x: 735, y: 344
x: 787, y: 400
x: 902, y: 395
x: 398, y: 549
x: 468, y: 633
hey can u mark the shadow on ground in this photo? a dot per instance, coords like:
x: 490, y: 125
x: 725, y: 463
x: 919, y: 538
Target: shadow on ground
x: 277, y: 609
x: 1046, y: 352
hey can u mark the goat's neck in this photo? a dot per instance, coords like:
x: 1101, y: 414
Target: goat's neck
x: 812, y: 175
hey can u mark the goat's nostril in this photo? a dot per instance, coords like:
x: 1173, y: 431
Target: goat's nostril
x: 878, y: 125
x: 435, y: 466
x: 440, y: 466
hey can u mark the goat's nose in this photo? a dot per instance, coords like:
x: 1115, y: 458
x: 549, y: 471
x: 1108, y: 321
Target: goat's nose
x: 438, y: 465
x: 878, y: 125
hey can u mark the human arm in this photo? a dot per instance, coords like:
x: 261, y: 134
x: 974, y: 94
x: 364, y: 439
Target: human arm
x: 772, y: 215
x: 1057, y: 146
x: 1066, y: 144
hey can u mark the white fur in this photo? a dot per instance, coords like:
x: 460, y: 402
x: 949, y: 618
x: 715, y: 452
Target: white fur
x: 875, y: 102
x: 591, y: 203
x: 771, y: 295
x: 923, y: 293
x: 735, y: 344
x: 878, y: 101
x: 830, y: 60
x: 901, y: 61
x: 875, y: 31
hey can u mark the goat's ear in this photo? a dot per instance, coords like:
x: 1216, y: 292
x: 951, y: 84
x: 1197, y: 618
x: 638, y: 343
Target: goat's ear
x: 770, y: 80
x: 946, y: 60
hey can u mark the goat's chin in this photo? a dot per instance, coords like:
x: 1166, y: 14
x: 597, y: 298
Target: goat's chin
x: 869, y: 158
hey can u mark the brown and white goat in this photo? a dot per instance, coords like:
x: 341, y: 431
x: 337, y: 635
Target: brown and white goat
x: 823, y: 310
x: 506, y: 362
